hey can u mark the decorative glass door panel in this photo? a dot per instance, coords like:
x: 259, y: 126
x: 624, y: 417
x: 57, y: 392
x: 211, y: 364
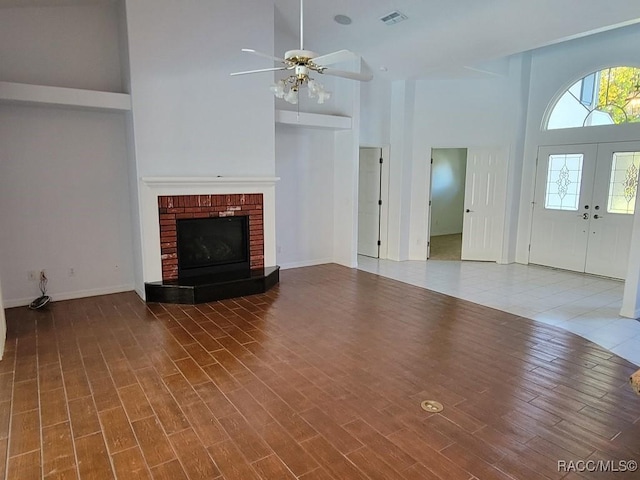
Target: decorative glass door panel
x: 564, y: 177
x: 623, y: 186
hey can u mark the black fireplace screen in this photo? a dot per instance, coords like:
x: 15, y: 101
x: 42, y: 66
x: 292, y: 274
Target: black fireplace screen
x: 212, y: 245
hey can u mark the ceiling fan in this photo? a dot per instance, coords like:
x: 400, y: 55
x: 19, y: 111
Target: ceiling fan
x: 302, y: 63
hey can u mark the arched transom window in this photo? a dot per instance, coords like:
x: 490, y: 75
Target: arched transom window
x: 607, y: 97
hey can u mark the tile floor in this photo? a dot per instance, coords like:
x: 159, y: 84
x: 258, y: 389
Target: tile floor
x: 586, y: 305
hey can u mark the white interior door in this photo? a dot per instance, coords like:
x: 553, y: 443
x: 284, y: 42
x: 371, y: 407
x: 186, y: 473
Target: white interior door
x: 614, y: 196
x: 369, y: 198
x: 484, y: 199
x: 562, y: 206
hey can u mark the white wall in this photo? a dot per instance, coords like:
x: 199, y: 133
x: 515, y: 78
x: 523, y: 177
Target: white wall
x: 64, y: 174
x: 63, y: 171
x: 304, y: 195
x: 190, y: 117
x: 401, y: 164
x: 375, y: 113
x: 316, y: 196
x: 72, y: 46
x: 482, y: 111
x: 448, y: 173
x: 346, y: 159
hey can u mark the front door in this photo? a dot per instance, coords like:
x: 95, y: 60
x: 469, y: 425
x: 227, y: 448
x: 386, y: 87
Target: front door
x: 583, y: 207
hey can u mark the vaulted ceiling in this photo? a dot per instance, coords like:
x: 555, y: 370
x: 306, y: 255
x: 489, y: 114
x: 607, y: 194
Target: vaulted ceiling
x: 439, y: 36
x: 449, y: 35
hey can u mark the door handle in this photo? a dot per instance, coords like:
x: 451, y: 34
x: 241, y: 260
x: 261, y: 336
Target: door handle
x: 468, y: 211
x: 595, y: 217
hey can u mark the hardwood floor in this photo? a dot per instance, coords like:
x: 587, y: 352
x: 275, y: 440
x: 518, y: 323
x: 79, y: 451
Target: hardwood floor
x: 320, y: 378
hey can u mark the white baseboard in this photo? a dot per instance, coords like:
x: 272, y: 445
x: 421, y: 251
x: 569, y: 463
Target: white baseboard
x: 21, y: 302
x: 630, y: 313
x: 306, y: 263
x: 140, y: 293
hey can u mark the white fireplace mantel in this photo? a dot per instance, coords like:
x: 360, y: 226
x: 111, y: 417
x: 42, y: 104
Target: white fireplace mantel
x: 150, y: 188
x: 181, y: 182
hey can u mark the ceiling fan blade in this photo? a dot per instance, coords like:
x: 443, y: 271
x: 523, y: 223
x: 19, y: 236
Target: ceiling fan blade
x: 274, y: 69
x: 335, y: 57
x: 362, y: 77
x: 265, y: 55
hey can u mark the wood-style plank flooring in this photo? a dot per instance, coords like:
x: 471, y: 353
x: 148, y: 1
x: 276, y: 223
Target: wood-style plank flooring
x: 320, y: 378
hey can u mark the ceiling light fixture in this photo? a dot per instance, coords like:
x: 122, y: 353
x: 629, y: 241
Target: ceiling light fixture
x: 301, y: 63
x: 288, y: 88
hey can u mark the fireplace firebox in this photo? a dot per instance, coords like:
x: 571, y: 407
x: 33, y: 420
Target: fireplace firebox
x: 209, y: 246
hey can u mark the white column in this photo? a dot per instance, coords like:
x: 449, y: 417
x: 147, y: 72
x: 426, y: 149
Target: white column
x: 401, y: 166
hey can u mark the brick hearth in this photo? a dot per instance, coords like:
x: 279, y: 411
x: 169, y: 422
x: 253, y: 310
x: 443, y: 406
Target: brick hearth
x: 175, y: 207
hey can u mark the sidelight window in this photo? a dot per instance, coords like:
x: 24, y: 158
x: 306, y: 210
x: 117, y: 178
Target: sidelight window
x: 623, y: 185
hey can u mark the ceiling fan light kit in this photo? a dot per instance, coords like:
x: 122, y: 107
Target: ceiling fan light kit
x: 301, y: 63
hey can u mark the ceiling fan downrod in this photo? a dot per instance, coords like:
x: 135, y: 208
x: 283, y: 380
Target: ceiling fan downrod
x: 301, y: 24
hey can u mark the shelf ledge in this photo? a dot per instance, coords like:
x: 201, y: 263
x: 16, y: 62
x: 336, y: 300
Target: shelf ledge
x: 314, y: 120
x: 162, y: 182
x: 23, y: 93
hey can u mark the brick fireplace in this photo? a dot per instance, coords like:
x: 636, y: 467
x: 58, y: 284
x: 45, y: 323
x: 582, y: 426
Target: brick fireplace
x: 175, y: 207
x: 166, y: 200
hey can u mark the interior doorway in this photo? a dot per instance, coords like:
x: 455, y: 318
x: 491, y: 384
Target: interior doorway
x: 446, y: 212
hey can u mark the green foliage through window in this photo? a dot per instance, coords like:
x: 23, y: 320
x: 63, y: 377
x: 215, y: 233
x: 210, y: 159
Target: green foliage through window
x: 609, y: 96
x: 619, y: 94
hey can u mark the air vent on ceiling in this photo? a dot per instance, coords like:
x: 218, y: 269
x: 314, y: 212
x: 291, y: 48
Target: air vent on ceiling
x: 393, y: 17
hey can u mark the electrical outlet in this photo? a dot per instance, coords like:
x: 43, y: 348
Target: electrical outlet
x: 32, y: 275
x: 72, y: 272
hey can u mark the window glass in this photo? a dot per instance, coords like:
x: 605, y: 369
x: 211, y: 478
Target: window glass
x: 563, y: 182
x: 623, y: 185
x: 608, y: 97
